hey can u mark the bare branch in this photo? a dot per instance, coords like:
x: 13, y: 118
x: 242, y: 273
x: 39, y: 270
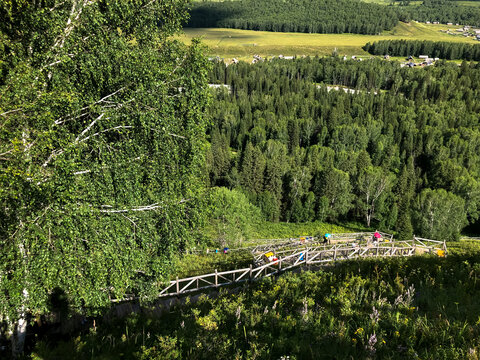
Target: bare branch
x: 7, y: 152
x: 142, y: 208
x: 104, y: 167
x: 56, y: 6
x: 62, y: 121
x: 72, y: 19
x: 82, y: 172
x: 54, y: 154
x: 10, y: 111
x: 175, y: 135
x: 104, y: 131
x: 89, y: 127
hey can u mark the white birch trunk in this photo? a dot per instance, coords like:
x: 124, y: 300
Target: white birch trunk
x: 20, y: 333
x: 18, y: 338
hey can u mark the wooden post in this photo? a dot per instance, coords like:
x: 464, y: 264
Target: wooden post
x: 251, y: 272
x: 335, y: 254
x: 216, y: 278
x: 306, y: 256
x: 178, y: 286
x: 280, y: 264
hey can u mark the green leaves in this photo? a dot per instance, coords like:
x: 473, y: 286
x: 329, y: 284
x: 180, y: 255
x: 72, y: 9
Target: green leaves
x: 439, y: 214
x: 101, y: 137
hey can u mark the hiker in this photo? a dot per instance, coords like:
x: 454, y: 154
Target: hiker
x: 326, y: 238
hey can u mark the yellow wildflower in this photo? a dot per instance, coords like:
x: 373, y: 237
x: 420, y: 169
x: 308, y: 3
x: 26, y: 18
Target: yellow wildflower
x: 359, y: 331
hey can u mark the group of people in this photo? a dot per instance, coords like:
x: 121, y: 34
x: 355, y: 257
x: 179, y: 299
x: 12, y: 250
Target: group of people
x: 375, y: 238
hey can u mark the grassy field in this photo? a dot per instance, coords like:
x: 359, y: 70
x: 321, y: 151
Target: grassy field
x: 242, y: 44
x: 469, y: 3
x: 397, y: 308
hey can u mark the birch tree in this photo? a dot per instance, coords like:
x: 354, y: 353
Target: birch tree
x: 373, y: 182
x: 439, y: 214
x: 101, y: 137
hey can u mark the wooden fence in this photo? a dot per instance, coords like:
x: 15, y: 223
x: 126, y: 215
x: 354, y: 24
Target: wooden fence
x: 304, y: 255
x: 276, y: 244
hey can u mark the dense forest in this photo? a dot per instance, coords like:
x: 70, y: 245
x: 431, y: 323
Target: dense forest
x: 443, y: 11
x: 319, y: 16
x: 325, y: 16
x: 401, y: 153
x: 434, y: 49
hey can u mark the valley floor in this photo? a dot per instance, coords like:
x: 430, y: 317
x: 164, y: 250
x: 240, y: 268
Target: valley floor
x: 243, y: 44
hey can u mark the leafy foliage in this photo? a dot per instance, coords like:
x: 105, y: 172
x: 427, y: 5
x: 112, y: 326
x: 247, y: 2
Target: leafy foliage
x: 439, y: 214
x: 101, y: 136
x: 233, y: 216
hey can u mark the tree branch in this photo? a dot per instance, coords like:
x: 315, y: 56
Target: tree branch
x: 10, y: 111
x: 103, y: 131
x: 141, y: 208
x: 89, y: 127
x: 61, y: 121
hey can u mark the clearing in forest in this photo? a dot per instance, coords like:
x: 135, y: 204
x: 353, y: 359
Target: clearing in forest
x: 243, y: 44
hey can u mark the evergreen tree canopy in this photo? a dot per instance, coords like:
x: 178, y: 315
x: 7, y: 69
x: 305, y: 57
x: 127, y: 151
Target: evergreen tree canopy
x: 434, y: 49
x: 317, y: 16
x: 366, y: 154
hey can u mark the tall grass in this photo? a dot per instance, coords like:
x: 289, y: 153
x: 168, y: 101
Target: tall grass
x: 406, y: 308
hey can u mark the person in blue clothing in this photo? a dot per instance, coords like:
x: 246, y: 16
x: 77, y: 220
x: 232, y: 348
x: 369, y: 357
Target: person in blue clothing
x: 326, y: 238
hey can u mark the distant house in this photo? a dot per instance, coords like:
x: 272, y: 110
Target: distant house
x: 428, y: 22
x: 449, y: 23
x: 387, y: 57
x: 423, y: 57
x: 436, y: 22
x: 477, y: 32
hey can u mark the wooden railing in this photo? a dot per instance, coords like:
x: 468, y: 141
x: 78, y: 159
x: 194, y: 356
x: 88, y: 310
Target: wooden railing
x: 303, y: 255
x: 276, y: 244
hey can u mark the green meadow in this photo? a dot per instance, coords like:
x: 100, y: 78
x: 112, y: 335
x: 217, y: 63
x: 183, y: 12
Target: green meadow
x: 242, y: 44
